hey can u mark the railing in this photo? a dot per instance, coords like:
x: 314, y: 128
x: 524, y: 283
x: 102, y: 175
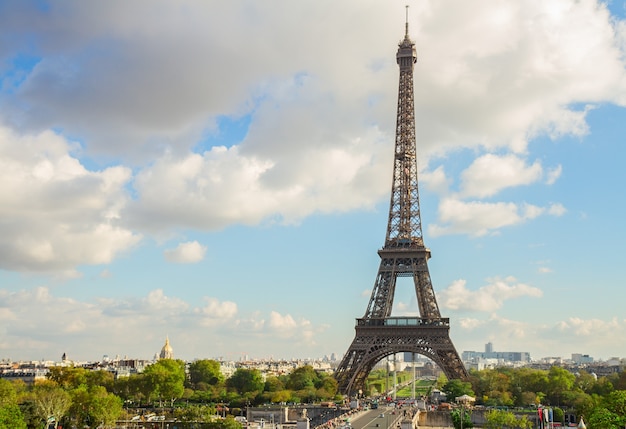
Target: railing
x: 404, y: 321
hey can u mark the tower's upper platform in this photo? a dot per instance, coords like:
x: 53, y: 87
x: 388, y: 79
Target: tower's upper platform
x: 407, y: 55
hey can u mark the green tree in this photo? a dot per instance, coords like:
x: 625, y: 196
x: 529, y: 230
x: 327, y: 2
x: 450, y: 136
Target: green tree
x: 455, y: 388
x: 227, y: 423
x: 68, y: 377
x: 560, y: 380
x: 194, y: 413
x: 79, y: 409
x: 104, y: 407
x: 11, y: 417
x: 619, y: 383
x: 498, y: 419
x: 8, y: 395
x: 273, y: 384
x: 492, y: 387
x: 205, y: 371
x: 611, y: 414
x: 461, y: 418
x: 281, y: 396
x: 302, y: 378
x: 102, y: 378
x: 166, y: 379
x: 327, y: 386
x: 50, y: 401
x: 603, y: 386
x: 10, y: 414
x: 94, y: 406
x: 585, y: 381
x: 135, y: 388
x: 246, y: 381
x: 533, y: 381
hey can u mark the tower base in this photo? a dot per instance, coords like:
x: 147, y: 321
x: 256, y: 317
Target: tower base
x: 377, y: 338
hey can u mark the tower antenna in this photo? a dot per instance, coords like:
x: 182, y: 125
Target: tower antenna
x: 406, y: 25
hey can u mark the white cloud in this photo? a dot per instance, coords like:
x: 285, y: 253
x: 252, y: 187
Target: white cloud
x: 280, y: 322
x: 216, y: 312
x: 557, y: 209
x: 435, y: 180
x: 320, y: 110
x: 470, y: 324
x: 554, y: 174
x: 56, y: 213
x: 490, y: 173
x: 481, y: 218
x: 225, y: 186
x: 186, y: 253
x: 487, y: 298
x: 584, y: 328
x: 140, y: 326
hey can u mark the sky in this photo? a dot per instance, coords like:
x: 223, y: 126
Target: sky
x: 218, y: 173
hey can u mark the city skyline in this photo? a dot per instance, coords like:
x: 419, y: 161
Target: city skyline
x: 219, y: 172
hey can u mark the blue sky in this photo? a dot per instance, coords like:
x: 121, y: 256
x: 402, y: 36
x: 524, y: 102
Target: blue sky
x: 219, y: 173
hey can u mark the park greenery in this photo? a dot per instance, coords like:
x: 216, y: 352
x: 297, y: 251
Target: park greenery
x: 198, y: 392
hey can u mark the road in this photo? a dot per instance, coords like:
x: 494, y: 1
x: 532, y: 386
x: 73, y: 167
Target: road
x: 382, y: 418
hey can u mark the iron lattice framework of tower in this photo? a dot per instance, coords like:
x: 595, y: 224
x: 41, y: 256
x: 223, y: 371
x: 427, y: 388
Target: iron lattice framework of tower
x: 404, y: 255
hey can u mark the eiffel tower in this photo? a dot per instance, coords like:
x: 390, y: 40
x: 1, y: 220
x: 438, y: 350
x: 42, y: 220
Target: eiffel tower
x: 379, y: 335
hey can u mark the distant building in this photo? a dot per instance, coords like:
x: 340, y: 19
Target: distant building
x: 28, y: 375
x: 578, y: 358
x: 490, y: 354
x: 167, y: 352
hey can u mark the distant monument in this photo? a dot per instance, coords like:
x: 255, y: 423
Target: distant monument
x: 167, y: 352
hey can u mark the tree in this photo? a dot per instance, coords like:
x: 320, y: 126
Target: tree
x: 166, y: 379
x: 246, y: 381
x: 94, y: 406
x: 328, y: 386
x: 194, y: 413
x: 50, y: 401
x: 10, y: 414
x: 612, y: 412
x: 461, y: 415
x: 68, y: 377
x: 8, y: 395
x: 302, y: 378
x: 205, y: 371
x: 273, y: 384
x: 102, y: 378
x: 227, y: 423
x: 455, y: 388
x: 493, y: 387
x: 11, y: 417
x: 134, y: 388
x: 498, y: 419
x: 104, y: 407
x: 620, y: 381
x: 559, y: 380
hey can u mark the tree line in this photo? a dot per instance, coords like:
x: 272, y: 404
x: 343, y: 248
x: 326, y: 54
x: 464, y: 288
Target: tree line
x: 75, y: 396
x: 600, y: 400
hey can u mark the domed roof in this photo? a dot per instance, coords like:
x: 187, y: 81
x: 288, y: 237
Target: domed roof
x: 167, y: 352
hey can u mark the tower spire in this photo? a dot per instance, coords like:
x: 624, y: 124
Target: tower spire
x: 406, y: 25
